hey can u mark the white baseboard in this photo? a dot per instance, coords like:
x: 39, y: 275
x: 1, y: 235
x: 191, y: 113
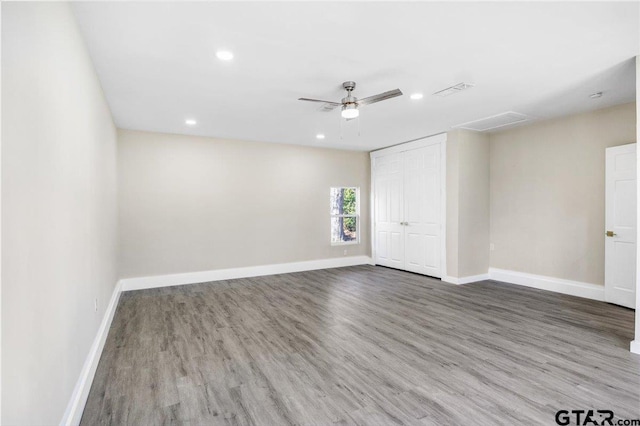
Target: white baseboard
x: 75, y: 408
x: 465, y: 280
x: 635, y: 346
x: 559, y: 285
x: 140, y: 283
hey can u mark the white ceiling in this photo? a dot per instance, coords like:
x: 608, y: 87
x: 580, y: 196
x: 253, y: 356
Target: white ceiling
x: 157, y: 64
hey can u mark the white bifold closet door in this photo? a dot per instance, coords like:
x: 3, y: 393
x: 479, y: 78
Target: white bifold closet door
x: 407, y: 210
x: 389, y: 207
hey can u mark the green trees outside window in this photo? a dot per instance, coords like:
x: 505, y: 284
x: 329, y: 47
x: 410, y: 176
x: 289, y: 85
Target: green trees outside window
x: 344, y: 215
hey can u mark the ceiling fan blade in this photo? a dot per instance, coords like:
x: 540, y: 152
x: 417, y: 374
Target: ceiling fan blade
x: 328, y: 105
x: 380, y: 97
x: 320, y: 100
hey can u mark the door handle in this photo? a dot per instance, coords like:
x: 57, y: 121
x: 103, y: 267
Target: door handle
x: 610, y: 234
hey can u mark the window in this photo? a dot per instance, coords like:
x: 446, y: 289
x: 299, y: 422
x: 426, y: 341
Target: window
x: 345, y: 215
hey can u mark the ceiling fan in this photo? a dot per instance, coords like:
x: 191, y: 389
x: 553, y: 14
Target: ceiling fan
x: 350, y: 103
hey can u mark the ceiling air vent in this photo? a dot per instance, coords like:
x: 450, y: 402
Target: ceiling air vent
x: 454, y: 89
x: 494, y: 122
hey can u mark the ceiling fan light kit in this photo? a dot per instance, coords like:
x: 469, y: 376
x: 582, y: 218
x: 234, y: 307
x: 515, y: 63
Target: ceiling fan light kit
x: 350, y: 111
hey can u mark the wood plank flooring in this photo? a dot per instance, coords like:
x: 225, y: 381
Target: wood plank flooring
x: 361, y: 345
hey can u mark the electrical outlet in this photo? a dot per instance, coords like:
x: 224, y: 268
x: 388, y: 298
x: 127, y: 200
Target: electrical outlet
x: 345, y: 252
x: 95, y: 304
x: 492, y: 247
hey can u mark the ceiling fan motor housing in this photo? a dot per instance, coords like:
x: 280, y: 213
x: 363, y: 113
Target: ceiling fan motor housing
x: 349, y: 86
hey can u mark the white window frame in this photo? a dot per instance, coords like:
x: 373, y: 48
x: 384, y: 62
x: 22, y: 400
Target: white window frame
x: 357, y: 216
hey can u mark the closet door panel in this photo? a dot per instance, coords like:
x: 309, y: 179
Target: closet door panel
x: 422, y: 210
x: 415, y: 248
x: 388, y: 205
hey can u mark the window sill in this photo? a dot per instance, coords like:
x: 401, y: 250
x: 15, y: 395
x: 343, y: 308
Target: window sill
x: 345, y: 243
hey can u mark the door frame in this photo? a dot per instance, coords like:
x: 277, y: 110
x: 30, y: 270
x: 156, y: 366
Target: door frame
x: 440, y: 139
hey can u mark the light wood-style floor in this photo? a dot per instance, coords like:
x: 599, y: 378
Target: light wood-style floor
x: 361, y: 345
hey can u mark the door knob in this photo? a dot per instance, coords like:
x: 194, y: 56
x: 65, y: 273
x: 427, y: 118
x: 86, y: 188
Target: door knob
x: 610, y: 234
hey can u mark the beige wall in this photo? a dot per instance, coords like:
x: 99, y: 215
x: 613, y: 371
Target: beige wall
x: 453, y: 199
x: 547, y: 193
x: 473, y: 208
x: 467, y: 203
x: 194, y: 204
x: 58, y: 210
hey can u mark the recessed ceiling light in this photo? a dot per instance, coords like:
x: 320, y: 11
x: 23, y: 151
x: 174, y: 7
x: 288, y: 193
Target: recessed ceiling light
x: 319, y: 136
x: 595, y: 95
x: 190, y: 122
x: 224, y: 55
x: 417, y: 96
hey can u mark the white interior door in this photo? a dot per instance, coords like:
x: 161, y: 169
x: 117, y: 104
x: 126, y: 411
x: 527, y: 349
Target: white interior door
x: 388, y: 210
x: 422, y: 210
x: 620, y: 239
